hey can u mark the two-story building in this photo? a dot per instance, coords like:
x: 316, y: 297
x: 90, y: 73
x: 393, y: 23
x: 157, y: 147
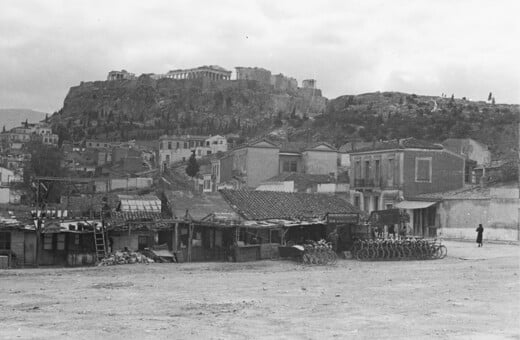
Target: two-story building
x: 259, y: 161
x: 179, y: 148
x: 17, y: 137
x: 391, y: 174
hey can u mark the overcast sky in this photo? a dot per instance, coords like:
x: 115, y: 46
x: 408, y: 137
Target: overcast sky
x: 468, y: 48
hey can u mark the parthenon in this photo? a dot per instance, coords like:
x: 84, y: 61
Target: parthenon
x: 212, y: 72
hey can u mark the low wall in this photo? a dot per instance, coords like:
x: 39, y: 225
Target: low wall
x: 123, y: 183
x: 499, y: 216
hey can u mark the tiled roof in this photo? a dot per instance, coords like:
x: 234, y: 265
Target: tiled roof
x: 198, y: 206
x: 263, y: 205
x: 293, y: 147
x: 407, y: 143
x: 122, y: 216
x: 300, y: 178
x: 79, y: 205
x: 317, y: 144
x: 471, y: 192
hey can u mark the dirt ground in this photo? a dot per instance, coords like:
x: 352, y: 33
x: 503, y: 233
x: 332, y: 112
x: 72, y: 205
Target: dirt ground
x: 472, y: 294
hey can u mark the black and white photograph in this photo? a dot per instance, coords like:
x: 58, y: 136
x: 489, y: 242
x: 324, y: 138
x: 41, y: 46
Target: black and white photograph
x: 259, y: 169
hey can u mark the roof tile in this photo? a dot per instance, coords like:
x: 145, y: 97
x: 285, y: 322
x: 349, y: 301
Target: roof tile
x: 263, y: 205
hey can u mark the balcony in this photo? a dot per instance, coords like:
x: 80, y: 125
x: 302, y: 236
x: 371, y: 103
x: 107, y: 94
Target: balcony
x: 365, y: 183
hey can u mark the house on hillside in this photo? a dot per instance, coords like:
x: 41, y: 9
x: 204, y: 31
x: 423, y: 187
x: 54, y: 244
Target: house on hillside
x: 261, y: 160
x: 256, y: 161
x: 174, y: 149
x: 390, y: 174
x: 299, y: 182
x: 477, y: 154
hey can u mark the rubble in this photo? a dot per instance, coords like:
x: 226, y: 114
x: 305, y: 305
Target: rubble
x: 124, y: 257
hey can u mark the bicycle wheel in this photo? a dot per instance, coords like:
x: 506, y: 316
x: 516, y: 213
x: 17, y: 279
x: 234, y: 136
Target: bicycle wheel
x: 332, y: 257
x: 443, y: 250
x: 363, y: 254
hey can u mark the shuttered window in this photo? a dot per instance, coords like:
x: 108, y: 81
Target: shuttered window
x: 423, y: 167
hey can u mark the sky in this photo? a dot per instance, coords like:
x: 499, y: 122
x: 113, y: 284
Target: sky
x: 466, y: 48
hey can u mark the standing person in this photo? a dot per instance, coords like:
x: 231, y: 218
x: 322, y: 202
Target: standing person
x: 333, y: 239
x: 479, y: 231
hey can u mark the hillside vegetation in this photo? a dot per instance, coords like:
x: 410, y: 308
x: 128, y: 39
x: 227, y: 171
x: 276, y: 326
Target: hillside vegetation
x: 145, y: 109
x: 391, y: 115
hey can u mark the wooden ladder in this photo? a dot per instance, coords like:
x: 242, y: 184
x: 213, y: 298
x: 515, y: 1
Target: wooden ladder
x: 99, y: 240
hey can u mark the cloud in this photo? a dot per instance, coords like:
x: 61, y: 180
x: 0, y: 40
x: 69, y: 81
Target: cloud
x: 465, y: 47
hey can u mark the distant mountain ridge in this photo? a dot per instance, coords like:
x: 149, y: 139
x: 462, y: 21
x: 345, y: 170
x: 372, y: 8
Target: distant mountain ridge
x: 11, y: 118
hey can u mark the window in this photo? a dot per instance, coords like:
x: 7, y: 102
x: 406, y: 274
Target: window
x: 207, y: 184
x: 377, y: 170
x: 169, y: 145
x: 391, y: 169
x: 178, y: 145
x: 207, y: 143
x: 367, y: 169
x: 47, y: 241
x: 208, y: 152
x: 357, y: 202
x: 290, y: 166
x: 423, y: 169
x: 376, y: 202
x: 357, y: 169
x: 185, y: 145
x: 60, y: 242
x: 142, y: 242
x: 366, y: 203
x: 5, y: 240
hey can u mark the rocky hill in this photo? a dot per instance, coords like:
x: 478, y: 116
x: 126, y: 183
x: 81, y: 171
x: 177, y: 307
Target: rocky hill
x: 146, y: 108
x: 390, y: 115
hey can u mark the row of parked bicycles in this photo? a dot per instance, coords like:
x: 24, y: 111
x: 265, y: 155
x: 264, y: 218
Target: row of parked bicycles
x: 403, y: 249
x: 318, y: 253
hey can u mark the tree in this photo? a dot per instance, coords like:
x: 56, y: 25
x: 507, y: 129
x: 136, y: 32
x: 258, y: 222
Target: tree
x: 193, y: 167
x: 490, y: 96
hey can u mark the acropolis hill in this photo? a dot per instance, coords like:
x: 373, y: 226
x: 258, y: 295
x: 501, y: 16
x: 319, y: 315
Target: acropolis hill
x: 253, y: 102
x: 201, y: 94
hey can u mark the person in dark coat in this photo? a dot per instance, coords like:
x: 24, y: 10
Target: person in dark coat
x: 479, y: 231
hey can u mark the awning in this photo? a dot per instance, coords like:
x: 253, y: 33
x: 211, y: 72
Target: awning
x: 414, y: 204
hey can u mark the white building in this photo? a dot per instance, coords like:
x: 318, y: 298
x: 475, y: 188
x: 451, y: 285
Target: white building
x: 179, y: 148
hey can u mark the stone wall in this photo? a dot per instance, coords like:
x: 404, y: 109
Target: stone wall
x: 254, y: 73
x: 283, y: 83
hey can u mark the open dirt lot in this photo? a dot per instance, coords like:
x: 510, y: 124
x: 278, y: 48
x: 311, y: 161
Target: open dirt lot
x: 473, y: 293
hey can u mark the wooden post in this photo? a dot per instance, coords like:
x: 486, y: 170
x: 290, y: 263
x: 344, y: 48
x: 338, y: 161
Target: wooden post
x: 190, y: 240
x: 175, y: 237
